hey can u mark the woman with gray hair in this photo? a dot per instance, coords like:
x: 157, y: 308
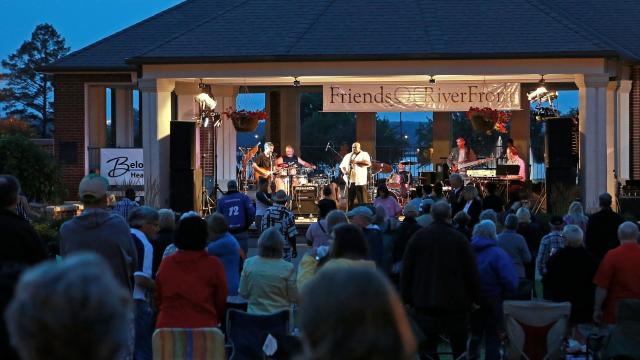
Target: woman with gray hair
x: 268, y: 282
x: 70, y: 310
x: 569, y: 276
x: 498, y: 279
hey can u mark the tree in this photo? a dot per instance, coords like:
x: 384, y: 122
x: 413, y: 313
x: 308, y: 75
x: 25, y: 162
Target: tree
x: 29, y: 94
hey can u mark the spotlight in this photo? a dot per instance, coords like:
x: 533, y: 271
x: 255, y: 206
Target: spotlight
x: 206, y: 122
x: 540, y: 92
x: 432, y: 79
x: 296, y: 82
x: 542, y: 85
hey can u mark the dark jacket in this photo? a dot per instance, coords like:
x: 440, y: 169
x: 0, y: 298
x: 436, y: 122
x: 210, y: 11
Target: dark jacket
x: 602, y: 232
x: 498, y: 278
x: 239, y: 211
x: 474, y: 211
x: 162, y: 240
x: 493, y: 202
x: 532, y: 233
x: 569, y: 277
x: 406, y: 230
x: 20, y: 247
x: 439, y: 273
x: 20, y: 242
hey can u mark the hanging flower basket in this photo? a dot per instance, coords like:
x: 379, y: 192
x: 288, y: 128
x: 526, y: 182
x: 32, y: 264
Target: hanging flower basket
x: 487, y: 119
x: 245, y: 121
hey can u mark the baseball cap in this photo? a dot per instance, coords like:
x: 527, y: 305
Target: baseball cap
x: 360, y: 211
x: 93, y: 185
x: 232, y: 185
x: 425, y: 203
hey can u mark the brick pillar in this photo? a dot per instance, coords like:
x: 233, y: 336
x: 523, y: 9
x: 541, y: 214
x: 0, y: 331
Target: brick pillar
x: 70, y: 114
x: 634, y: 122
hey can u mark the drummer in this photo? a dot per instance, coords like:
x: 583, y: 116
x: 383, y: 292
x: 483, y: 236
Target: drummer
x: 290, y: 159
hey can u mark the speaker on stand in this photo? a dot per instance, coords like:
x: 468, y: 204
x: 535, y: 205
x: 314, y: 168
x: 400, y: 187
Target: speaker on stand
x: 185, y: 180
x: 561, y: 157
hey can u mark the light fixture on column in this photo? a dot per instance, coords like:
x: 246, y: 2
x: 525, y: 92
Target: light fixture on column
x: 205, y: 100
x: 432, y: 79
x: 540, y: 92
x: 296, y: 82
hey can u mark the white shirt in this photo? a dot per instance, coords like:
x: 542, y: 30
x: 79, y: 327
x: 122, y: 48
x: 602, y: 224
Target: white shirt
x: 461, y: 155
x: 144, y: 263
x: 359, y: 175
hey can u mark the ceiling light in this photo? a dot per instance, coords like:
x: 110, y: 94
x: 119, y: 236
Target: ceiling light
x: 296, y: 82
x: 540, y: 92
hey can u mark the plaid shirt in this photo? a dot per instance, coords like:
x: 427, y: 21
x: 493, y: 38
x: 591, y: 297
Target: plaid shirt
x: 278, y: 215
x: 124, y: 206
x: 550, y: 243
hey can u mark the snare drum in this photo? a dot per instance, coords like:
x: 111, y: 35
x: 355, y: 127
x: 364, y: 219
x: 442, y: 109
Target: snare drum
x: 300, y: 180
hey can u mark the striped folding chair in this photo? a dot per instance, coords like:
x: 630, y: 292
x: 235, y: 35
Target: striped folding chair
x: 188, y: 344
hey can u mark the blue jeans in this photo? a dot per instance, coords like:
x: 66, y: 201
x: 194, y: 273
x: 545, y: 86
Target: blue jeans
x: 144, y: 330
x: 487, y: 321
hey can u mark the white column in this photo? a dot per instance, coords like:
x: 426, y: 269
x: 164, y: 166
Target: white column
x: 623, y: 146
x: 187, y: 107
x: 290, y: 119
x: 97, y: 122
x: 593, y: 137
x: 156, y: 117
x: 124, y: 117
x: 226, y: 149
x: 611, y: 140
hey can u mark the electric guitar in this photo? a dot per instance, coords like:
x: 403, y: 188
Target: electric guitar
x: 456, y: 166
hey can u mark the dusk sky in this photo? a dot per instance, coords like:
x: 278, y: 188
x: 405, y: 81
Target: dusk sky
x: 84, y: 22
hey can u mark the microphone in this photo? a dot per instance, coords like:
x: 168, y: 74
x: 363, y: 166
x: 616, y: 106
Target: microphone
x: 327, y: 147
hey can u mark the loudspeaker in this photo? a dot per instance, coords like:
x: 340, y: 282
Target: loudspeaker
x: 561, y: 188
x: 184, y: 145
x: 185, y: 190
x: 630, y: 205
x: 305, y: 200
x: 562, y: 142
x: 427, y: 177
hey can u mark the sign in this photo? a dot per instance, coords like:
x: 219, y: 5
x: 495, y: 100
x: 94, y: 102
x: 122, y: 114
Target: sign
x: 122, y: 167
x: 412, y: 98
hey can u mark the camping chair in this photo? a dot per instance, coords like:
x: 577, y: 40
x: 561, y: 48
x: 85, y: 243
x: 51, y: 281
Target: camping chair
x: 248, y: 332
x: 186, y: 344
x: 624, y: 339
x: 535, y: 330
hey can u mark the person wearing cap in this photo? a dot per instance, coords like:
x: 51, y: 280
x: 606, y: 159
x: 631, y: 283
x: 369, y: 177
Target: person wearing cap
x: 425, y: 218
x: 550, y: 243
x: 237, y: 208
x: 283, y: 219
x: 100, y: 231
x: 361, y: 217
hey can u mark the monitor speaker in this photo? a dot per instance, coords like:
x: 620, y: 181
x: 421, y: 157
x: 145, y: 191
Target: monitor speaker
x: 185, y: 192
x: 562, y: 142
x: 305, y: 200
x: 184, y: 145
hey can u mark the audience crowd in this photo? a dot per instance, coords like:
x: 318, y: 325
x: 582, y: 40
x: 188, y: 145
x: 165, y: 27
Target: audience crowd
x: 376, y: 282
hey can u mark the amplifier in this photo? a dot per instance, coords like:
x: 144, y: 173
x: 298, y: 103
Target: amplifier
x: 306, y: 188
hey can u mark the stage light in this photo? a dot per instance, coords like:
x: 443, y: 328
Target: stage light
x: 296, y: 82
x: 406, y: 136
x: 205, y: 101
x: 540, y: 92
x: 206, y: 122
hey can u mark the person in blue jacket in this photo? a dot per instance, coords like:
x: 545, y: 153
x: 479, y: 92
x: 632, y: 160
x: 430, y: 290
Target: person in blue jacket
x: 237, y: 208
x: 498, y: 279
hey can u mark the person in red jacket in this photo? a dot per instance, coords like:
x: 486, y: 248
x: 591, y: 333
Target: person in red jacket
x: 191, y: 285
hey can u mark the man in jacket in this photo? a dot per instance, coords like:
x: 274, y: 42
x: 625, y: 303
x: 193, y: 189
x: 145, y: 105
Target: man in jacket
x: 237, y: 208
x: 601, y: 235
x: 440, y: 281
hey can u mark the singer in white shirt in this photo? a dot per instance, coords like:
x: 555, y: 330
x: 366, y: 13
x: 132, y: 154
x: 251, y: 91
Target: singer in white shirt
x: 354, y: 166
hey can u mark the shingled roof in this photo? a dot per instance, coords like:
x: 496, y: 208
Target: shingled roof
x: 206, y: 31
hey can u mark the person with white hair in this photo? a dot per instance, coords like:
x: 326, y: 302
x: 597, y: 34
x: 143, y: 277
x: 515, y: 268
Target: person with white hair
x: 570, y: 274
x: 618, y: 276
x: 498, y: 279
x: 576, y: 216
x: 74, y: 309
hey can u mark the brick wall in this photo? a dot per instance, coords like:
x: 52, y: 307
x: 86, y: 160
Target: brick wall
x: 69, y: 123
x: 634, y: 120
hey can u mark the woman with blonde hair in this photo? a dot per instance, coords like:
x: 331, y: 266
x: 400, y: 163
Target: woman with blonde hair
x: 576, y: 216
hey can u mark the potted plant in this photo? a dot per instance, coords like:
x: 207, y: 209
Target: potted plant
x: 487, y: 119
x: 245, y: 120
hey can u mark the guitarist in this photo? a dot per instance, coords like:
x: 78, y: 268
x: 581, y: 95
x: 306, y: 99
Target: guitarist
x: 460, y: 154
x: 263, y: 164
x: 354, y: 166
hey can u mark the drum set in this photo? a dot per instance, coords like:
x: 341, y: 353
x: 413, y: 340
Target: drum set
x: 399, y: 180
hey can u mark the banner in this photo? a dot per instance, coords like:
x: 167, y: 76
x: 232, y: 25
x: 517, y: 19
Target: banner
x: 412, y: 98
x: 122, y: 167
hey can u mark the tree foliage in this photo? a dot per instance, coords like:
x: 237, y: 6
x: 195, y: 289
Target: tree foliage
x: 29, y: 94
x: 37, y: 171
